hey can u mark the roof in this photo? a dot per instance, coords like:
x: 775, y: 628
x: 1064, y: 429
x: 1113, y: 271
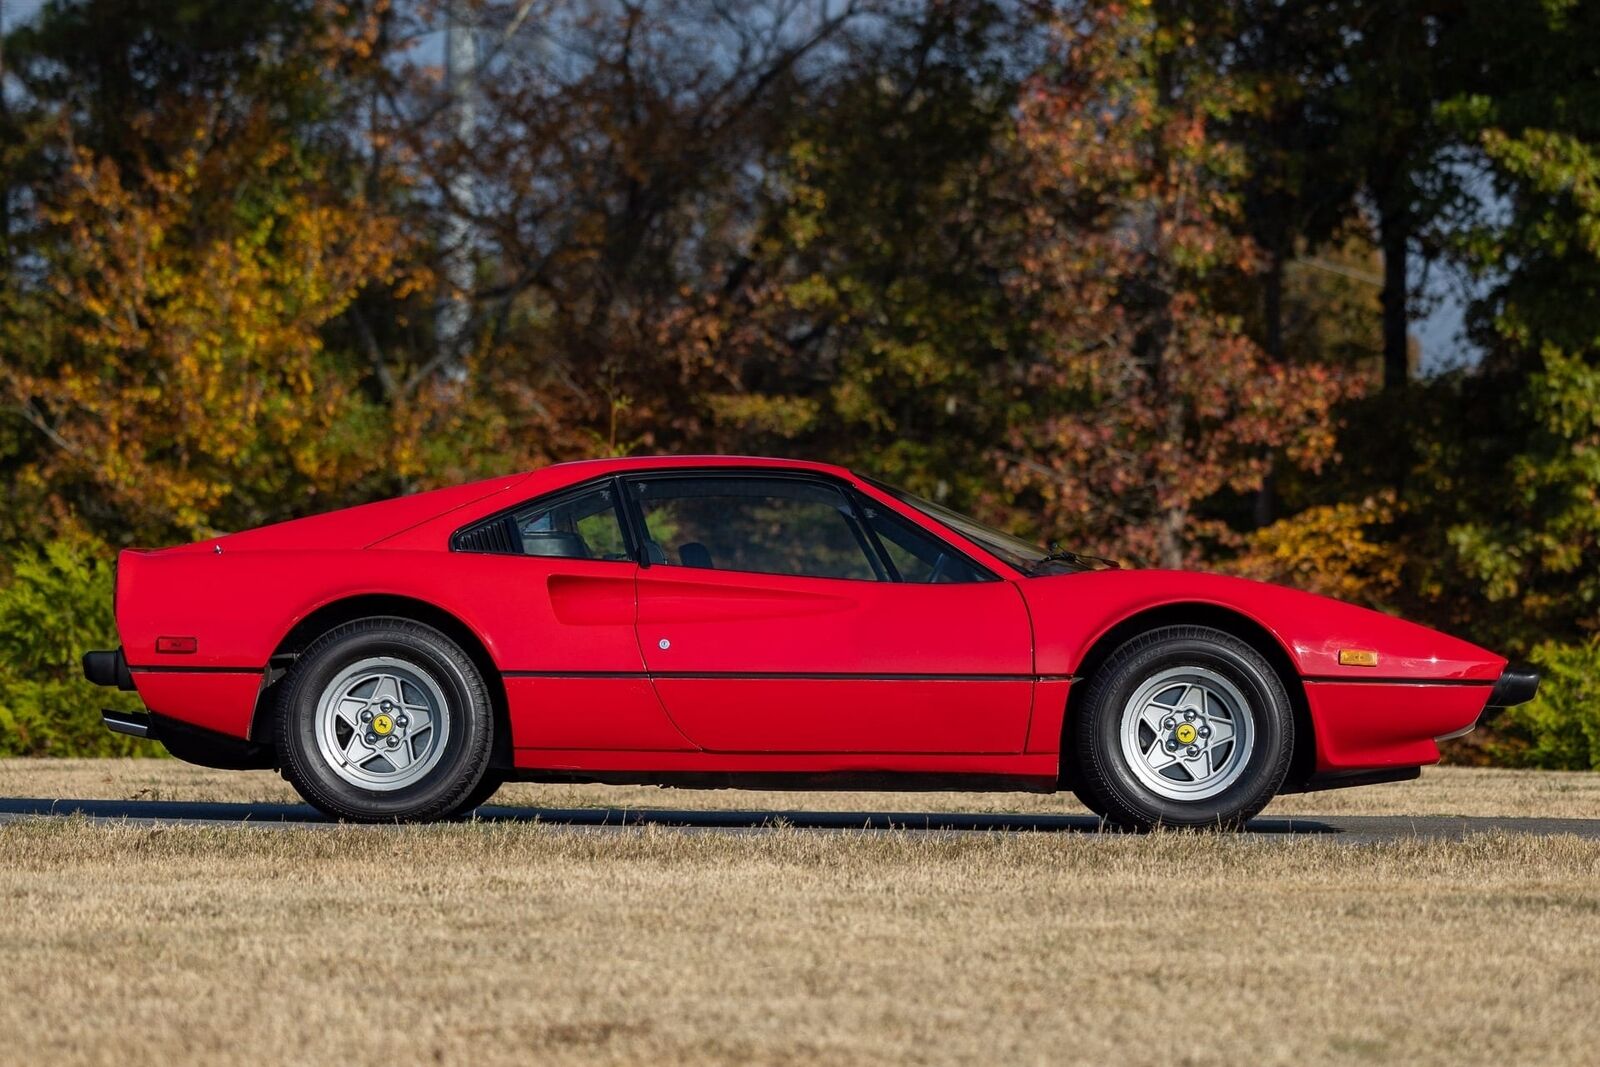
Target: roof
x: 621, y: 464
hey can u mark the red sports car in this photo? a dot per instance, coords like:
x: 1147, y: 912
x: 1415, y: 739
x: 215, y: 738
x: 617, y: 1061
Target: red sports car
x: 722, y: 621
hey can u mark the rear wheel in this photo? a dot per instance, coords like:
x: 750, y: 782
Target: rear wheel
x: 1182, y: 726
x: 385, y: 720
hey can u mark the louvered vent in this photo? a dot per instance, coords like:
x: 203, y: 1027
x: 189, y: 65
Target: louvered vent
x: 491, y: 536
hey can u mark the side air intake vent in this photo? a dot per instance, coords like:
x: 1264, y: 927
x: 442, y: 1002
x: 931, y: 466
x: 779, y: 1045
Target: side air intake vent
x: 491, y: 536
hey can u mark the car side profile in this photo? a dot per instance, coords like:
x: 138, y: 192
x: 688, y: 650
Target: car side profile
x: 731, y: 621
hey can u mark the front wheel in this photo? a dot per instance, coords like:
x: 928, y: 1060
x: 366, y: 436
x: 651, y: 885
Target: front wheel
x: 1184, y: 726
x: 385, y: 720
x: 485, y: 790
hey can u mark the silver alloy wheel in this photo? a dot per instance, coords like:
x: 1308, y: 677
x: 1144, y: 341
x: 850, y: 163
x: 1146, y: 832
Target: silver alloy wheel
x: 1187, y: 733
x: 382, y: 723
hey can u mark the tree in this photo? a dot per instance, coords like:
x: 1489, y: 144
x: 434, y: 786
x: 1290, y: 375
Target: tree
x: 614, y: 161
x: 1146, y: 399
x: 164, y: 348
x: 863, y: 318
x: 1530, y: 534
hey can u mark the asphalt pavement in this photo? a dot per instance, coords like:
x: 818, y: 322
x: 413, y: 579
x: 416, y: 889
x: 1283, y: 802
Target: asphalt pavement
x: 1350, y: 828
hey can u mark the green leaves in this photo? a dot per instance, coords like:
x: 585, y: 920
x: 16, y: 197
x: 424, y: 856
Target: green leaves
x: 1560, y: 728
x: 56, y: 604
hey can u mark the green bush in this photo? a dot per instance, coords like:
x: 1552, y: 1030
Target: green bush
x: 1560, y: 729
x: 55, y: 603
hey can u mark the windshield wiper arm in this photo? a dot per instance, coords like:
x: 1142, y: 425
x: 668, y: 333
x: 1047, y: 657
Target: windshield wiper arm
x: 1077, y: 559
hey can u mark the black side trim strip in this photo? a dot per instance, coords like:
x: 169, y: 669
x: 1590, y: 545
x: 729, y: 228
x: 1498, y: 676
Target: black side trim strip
x: 166, y: 668
x: 826, y: 676
x: 1326, y: 680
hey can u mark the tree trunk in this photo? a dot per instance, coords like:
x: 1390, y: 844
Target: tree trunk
x: 453, y: 322
x: 1395, y: 225
x: 1272, y: 305
x: 1265, y: 508
x: 1169, y: 541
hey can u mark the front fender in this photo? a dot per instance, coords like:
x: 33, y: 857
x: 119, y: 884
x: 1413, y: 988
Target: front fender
x: 1074, y: 611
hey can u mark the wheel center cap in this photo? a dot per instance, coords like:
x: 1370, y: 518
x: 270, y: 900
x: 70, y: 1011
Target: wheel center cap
x: 1186, y: 733
x: 383, y: 725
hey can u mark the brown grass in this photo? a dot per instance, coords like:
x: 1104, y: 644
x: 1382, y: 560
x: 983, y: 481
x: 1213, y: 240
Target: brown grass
x: 523, y: 943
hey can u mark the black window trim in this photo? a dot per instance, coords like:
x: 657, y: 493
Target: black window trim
x: 554, y: 498
x: 846, y: 491
x: 634, y: 532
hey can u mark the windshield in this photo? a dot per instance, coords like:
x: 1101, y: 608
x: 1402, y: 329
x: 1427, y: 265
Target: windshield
x: 1025, y: 556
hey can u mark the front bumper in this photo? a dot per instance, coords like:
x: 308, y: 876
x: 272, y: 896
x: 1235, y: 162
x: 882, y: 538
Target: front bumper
x: 1517, y: 685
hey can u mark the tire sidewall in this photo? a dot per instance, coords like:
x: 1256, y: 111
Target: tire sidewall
x: 458, y: 770
x: 1269, y: 709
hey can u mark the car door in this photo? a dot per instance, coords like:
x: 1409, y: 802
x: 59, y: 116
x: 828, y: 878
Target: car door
x: 772, y: 619
x: 556, y: 576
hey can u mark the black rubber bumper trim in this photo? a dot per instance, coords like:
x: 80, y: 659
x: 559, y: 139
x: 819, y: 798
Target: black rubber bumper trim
x: 1517, y: 685
x: 108, y: 668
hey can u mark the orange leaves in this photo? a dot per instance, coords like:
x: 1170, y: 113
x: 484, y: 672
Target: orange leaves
x: 187, y: 307
x: 1151, y: 398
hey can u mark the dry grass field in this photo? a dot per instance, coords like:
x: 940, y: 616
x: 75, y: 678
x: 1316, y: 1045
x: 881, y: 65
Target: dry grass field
x: 521, y: 943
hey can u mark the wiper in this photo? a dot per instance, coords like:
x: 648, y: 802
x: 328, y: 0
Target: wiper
x: 1077, y: 559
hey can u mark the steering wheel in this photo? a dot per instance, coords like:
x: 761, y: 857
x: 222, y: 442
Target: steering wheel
x: 940, y: 571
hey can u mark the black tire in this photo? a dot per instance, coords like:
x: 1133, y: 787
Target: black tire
x: 481, y: 794
x: 1103, y: 777
x: 466, y: 748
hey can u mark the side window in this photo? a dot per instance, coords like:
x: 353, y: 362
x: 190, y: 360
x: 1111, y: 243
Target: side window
x: 766, y: 525
x: 584, y: 526
x: 917, y: 555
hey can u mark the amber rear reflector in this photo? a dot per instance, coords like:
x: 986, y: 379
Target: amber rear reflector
x: 1357, y: 657
x: 190, y: 644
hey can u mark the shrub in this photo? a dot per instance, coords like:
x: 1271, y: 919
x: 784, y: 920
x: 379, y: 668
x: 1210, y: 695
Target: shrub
x: 1560, y: 729
x: 55, y: 604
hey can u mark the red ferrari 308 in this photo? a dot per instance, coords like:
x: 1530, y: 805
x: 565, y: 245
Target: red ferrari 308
x: 721, y: 621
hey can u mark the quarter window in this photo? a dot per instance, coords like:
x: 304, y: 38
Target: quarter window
x: 583, y: 526
x: 766, y: 525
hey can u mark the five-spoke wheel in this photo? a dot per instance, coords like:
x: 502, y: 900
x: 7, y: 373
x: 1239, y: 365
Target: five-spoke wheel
x: 381, y: 723
x: 1187, y: 733
x: 386, y: 719
x: 1181, y: 726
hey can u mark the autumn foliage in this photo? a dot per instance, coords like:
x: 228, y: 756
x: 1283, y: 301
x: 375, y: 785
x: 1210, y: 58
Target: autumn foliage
x: 1142, y: 278
x: 1147, y: 396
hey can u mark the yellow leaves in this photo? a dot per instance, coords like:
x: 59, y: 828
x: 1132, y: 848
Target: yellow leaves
x: 1328, y: 549
x: 189, y: 304
x: 781, y: 416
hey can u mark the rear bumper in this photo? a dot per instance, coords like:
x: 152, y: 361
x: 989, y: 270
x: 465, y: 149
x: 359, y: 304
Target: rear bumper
x: 202, y: 717
x: 219, y: 700
x: 109, y: 669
